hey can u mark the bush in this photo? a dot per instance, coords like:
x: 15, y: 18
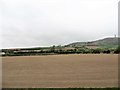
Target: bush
x: 96, y: 51
x: 106, y: 51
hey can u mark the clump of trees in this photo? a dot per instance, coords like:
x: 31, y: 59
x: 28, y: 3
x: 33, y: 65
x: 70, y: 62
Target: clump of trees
x: 117, y: 51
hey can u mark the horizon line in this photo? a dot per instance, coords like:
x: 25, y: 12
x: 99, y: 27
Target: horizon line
x: 59, y: 44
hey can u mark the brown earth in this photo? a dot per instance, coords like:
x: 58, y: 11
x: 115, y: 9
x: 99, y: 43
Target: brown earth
x: 88, y: 70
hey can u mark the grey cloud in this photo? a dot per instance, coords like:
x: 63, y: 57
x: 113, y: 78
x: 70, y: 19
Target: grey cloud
x: 27, y: 23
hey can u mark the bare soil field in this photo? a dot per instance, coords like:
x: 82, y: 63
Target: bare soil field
x: 64, y: 71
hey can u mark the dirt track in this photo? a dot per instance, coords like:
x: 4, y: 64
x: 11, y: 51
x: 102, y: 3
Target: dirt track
x: 60, y: 71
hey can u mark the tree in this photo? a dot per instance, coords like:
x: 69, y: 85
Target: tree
x: 117, y: 51
x: 53, y: 48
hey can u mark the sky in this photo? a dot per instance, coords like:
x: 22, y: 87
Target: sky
x: 37, y: 23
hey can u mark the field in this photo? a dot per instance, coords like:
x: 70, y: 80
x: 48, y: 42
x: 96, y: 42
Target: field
x: 64, y: 71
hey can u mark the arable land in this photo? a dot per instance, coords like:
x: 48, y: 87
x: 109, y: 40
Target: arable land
x: 60, y: 71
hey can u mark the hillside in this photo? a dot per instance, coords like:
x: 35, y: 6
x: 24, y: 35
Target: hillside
x: 102, y: 43
x: 106, y: 45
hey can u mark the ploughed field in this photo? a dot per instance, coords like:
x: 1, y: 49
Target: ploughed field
x: 64, y: 71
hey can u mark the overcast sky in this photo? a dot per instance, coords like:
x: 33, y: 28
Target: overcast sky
x: 29, y: 23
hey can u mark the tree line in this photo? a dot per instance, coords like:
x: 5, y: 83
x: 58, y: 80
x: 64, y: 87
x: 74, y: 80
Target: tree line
x: 52, y: 50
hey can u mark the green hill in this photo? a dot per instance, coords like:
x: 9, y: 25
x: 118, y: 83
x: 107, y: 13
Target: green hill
x: 101, y: 43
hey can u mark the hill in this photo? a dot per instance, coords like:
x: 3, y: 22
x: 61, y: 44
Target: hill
x: 106, y: 45
x: 110, y: 42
